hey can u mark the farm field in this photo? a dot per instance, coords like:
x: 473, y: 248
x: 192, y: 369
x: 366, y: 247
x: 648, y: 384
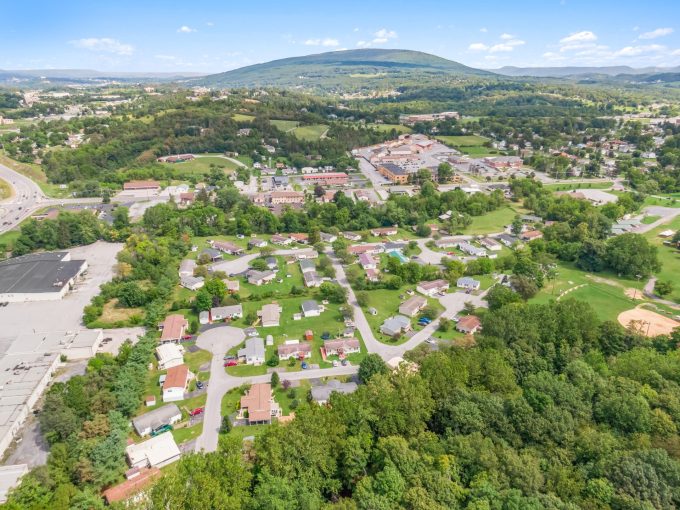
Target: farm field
x: 310, y: 133
x: 285, y: 125
x: 241, y: 117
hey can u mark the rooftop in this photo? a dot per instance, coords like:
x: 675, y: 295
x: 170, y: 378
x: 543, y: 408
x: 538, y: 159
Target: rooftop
x: 38, y: 273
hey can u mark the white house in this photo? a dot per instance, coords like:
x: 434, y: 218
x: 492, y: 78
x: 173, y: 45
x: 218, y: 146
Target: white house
x: 169, y: 355
x: 157, y: 452
x: 432, y: 288
x: 310, y: 308
x: 176, y: 383
x: 253, y: 353
x: 465, y: 282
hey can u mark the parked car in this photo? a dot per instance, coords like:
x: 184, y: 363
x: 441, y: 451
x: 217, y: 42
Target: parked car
x: 229, y: 356
x: 187, y: 337
x: 199, y: 385
x: 196, y: 412
x: 424, y: 320
x: 304, y: 365
x: 345, y: 362
x: 160, y: 430
x: 230, y: 363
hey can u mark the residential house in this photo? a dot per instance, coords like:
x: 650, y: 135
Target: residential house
x: 280, y: 181
x: 286, y: 197
x: 168, y: 414
x: 307, y: 265
x: 256, y: 243
x: 474, y: 251
x: 469, y: 324
x: 141, y: 185
x: 186, y: 267
x: 306, y: 254
x: 169, y: 355
x: 530, y: 218
x: 270, y: 315
x: 322, y: 394
x: 372, y: 275
x: 395, y: 246
x: 156, y: 452
x: 300, y: 238
x: 351, y: 236
x: 310, y: 308
x: 233, y: 286
x: 341, y: 346
x: 433, y: 288
x: 294, y: 349
x: 281, y: 240
x: 132, y: 486
x: 272, y: 264
x: 176, y: 383
x: 212, y: 254
x: 258, y: 405
x: 312, y: 279
x: 253, y: 353
x: 374, y: 249
x: 465, y: 282
x: 367, y: 262
x: 258, y: 278
x: 508, y: 240
x: 173, y: 328
x: 412, y: 306
x: 328, y: 238
x: 531, y: 235
x: 446, y: 242
x: 192, y: 282
x: 383, y: 232
x: 327, y: 179
x: 491, y: 244
x: 227, y: 247
x: 187, y: 198
x: 395, y: 326
x: 223, y: 313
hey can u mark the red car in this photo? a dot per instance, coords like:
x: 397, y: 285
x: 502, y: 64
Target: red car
x: 230, y: 363
x: 187, y: 337
x: 196, y: 412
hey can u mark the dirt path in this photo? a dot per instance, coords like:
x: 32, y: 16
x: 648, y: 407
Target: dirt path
x: 630, y: 292
x: 647, y: 322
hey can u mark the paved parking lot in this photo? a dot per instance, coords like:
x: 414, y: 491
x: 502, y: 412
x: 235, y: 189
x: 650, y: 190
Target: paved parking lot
x: 65, y: 314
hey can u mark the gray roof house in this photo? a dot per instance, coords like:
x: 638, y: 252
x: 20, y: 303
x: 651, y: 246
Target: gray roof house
x: 321, y: 394
x: 212, y: 253
x: 395, y: 325
x: 310, y: 308
x: 312, y: 279
x: 307, y: 265
x: 465, y: 282
x: 253, y: 353
x: 164, y: 415
x: 191, y: 282
x: 219, y: 313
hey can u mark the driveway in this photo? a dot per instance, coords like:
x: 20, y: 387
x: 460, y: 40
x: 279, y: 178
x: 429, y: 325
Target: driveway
x: 667, y: 214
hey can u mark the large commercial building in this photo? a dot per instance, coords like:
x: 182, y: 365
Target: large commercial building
x: 393, y: 172
x: 328, y: 179
x: 39, y: 276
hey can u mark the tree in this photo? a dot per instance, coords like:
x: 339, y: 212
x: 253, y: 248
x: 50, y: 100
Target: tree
x: 362, y: 299
x: 203, y: 300
x: 371, y: 365
x: 444, y: 172
x: 632, y: 255
x: 423, y: 230
x: 469, y: 307
x: 429, y: 312
x: 259, y: 264
x: 275, y: 380
x: 121, y: 219
x: 663, y: 287
x: 333, y: 292
x: 524, y: 286
x: 516, y: 227
x: 444, y: 324
x: 500, y: 295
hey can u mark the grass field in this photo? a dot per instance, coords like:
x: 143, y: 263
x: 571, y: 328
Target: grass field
x: 285, y: 125
x: 463, y: 140
x: 241, y: 117
x: 578, y: 185
x: 669, y: 258
x: 113, y: 314
x: 493, y: 221
x: 5, y: 190
x: 310, y: 133
x: 386, y: 128
x: 202, y: 165
x: 665, y: 200
x: 648, y: 220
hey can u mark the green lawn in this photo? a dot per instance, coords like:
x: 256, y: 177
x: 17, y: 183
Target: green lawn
x: 202, y: 165
x: 285, y: 125
x: 665, y: 200
x: 668, y: 256
x: 491, y: 222
x: 386, y: 128
x: 8, y: 239
x: 578, y: 185
x: 182, y: 435
x: 648, y: 220
x: 310, y: 133
x: 241, y: 117
x: 463, y: 140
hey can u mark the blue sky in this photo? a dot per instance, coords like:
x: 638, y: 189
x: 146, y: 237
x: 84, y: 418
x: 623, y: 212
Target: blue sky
x: 214, y: 36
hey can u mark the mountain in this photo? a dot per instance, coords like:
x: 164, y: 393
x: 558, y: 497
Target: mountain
x: 363, y: 68
x: 38, y: 77
x: 564, y: 72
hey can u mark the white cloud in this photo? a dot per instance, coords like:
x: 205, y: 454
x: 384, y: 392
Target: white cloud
x: 484, y: 30
x: 659, y: 32
x: 165, y: 57
x: 356, y: 29
x: 478, y: 47
x: 676, y: 53
x: 327, y: 42
x: 385, y: 34
x: 210, y: 24
x: 507, y: 37
x: 363, y: 44
x: 509, y: 44
x: 185, y: 29
x: 104, y: 45
x: 634, y: 51
x: 579, y: 37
